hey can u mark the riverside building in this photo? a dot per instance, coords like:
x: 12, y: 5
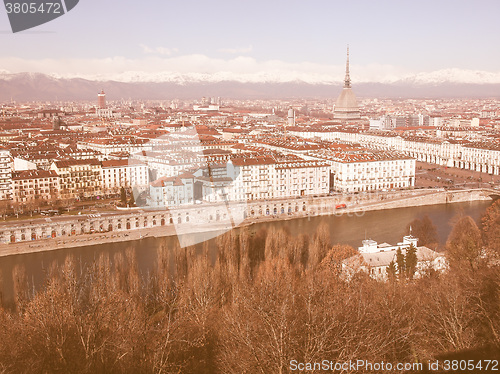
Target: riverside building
x: 478, y: 156
x: 5, y: 174
x: 34, y: 186
x: 78, y: 178
x: 116, y: 174
x: 368, y: 171
x: 375, y: 259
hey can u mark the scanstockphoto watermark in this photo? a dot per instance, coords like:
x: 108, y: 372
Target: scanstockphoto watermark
x: 24, y: 15
x: 201, y: 190
x: 372, y: 366
x: 205, y: 191
x: 354, y: 366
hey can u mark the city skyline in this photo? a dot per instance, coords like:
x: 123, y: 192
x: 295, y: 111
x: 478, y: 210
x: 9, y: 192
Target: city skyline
x: 262, y: 42
x: 236, y: 187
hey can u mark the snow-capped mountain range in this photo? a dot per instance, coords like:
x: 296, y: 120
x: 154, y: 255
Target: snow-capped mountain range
x: 452, y: 75
x: 169, y: 85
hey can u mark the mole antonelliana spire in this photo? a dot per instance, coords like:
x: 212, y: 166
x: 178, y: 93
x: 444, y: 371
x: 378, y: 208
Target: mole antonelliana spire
x: 347, y: 80
x: 346, y: 107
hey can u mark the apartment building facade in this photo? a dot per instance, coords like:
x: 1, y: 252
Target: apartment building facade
x: 172, y: 191
x: 109, y: 146
x: 477, y: 156
x: 267, y: 178
x: 5, y: 174
x: 116, y: 174
x: 78, y: 178
x: 34, y: 185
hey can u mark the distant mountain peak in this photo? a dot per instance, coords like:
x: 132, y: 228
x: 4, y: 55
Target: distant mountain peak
x: 450, y: 75
x: 440, y: 84
x: 454, y: 75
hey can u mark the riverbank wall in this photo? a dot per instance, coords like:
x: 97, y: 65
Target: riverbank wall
x: 76, y: 231
x: 436, y: 198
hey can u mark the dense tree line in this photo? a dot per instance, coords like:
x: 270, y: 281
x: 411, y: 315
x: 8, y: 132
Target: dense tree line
x: 266, y: 299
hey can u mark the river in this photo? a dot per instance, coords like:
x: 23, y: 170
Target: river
x: 382, y: 226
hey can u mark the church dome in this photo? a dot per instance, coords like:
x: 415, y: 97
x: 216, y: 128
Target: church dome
x: 346, y: 100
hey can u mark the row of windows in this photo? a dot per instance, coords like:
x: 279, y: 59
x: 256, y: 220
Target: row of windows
x: 36, y: 185
x: 24, y: 181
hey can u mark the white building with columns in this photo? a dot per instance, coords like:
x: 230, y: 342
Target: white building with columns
x: 368, y: 171
x: 267, y: 178
x: 477, y: 156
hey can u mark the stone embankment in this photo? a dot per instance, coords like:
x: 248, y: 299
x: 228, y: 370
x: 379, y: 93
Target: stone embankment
x: 76, y: 231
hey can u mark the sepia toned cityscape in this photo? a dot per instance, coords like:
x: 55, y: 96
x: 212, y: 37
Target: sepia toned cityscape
x: 241, y: 206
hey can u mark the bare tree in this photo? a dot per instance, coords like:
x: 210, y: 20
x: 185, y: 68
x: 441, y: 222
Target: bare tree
x: 319, y: 246
x: 464, y: 244
x: 491, y: 227
x: 425, y: 230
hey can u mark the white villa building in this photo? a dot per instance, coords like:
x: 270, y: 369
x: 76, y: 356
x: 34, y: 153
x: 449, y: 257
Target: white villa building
x: 374, y: 259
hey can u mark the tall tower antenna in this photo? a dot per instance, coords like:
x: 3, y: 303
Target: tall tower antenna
x: 347, y: 80
x: 346, y: 106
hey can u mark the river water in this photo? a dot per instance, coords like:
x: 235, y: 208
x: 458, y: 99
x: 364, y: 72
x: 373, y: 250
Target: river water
x: 383, y: 226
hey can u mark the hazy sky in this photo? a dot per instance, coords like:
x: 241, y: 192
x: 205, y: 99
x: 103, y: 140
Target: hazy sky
x: 260, y: 38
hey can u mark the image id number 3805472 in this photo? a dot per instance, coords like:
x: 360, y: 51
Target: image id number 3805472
x: 32, y: 8
x: 470, y: 365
